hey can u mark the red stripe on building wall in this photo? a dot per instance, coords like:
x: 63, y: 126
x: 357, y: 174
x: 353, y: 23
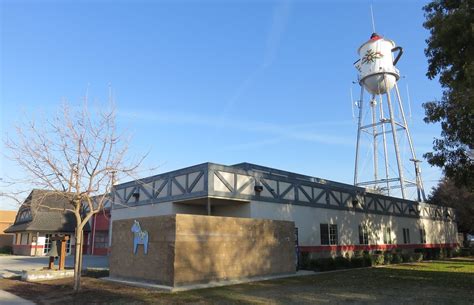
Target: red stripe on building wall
x: 373, y: 247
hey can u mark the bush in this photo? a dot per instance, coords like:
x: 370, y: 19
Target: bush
x: 322, y: 264
x: 442, y: 253
x: 431, y: 254
x: 357, y: 262
x: 437, y: 253
x: 367, y: 259
x: 326, y: 264
x: 358, y: 253
x: 378, y: 259
x: 342, y: 262
x: 407, y: 257
x: 465, y: 252
x: 388, y: 257
x: 397, y: 259
x: 417, y: 257
x: 421, y: 251
x: 304, y: 261
x: 6, y: 250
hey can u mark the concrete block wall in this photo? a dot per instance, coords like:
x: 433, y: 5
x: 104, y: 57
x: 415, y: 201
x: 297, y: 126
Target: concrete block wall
x: 189, y: 249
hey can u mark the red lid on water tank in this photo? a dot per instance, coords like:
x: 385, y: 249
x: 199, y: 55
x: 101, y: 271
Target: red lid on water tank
x: 375, y: 36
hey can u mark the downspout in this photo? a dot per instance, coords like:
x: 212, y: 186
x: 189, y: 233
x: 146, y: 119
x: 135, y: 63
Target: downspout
x: 93, y: 234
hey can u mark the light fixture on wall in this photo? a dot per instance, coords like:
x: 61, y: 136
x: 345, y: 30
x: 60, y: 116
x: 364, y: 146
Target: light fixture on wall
x: 357, y: 199
x: 136, y: 195
x: 355, y: 202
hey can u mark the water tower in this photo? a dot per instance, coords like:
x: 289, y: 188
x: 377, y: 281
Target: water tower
x: 381, y: 117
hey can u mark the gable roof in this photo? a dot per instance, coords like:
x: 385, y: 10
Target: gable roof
x: 45, y: 210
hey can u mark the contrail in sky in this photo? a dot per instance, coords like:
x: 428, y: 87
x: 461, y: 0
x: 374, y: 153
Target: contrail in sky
x: 281, y: 14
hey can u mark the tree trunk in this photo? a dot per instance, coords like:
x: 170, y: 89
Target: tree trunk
x: 77, y: 260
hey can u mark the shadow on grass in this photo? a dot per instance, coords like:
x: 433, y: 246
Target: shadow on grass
x: 362, y: 286
x: 368, y: 286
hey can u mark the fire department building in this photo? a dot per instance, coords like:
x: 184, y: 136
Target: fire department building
x: 330, y: 217
x: 38, y: 218
x: 42, y: 215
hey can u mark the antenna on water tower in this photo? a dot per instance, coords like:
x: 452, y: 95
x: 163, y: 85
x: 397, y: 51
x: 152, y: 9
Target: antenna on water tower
x: 372, y: 15
x: 378, y: 76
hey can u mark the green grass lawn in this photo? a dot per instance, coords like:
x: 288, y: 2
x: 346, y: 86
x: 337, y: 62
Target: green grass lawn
x: 440, y: 282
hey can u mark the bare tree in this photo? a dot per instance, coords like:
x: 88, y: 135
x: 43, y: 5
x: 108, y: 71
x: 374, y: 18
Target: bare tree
x: 75, y: 154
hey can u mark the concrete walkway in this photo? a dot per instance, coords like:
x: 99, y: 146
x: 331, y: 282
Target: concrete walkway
x: 13, y: 265
x: 6, y: 298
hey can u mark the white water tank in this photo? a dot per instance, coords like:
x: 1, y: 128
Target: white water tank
x: 376, y: 61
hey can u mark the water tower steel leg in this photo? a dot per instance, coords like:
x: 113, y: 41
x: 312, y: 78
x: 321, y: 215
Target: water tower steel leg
x: 359, y: 124
x: 384, y: 139
x: 395, y: 140
x: 419, y: 182
x: 373, y: 105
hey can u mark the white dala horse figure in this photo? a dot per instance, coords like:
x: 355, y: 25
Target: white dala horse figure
x: 139, y: 237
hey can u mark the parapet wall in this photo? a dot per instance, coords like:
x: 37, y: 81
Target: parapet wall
x: 189, y: 249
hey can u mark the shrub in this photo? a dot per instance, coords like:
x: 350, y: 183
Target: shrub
x: 388, y: 257
x: 313, y: 264
x: 342, y: 262
x: 432, y: 254
x: 304, y: 261
x: 357, y: 262
x: 378, y: 259
x: 322, y: 264
x: 407, y: 257
x: 465, y: 252
x: 417, y: 257
x: 358, y: 253
x: 397, y: 259
x: 410, y: 257
x: 367, y: 260
x: 326, y: 264
x: 6, y: 250
x: 442, y: 253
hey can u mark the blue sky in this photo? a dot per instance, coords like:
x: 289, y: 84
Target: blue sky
x: 266, y: 82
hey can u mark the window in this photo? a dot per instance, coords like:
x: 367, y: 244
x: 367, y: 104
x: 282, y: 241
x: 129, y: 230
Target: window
x: 68, y: 244
x: 363, y: 235
x: 423, y: 236
x: 333, y: 234
x: 24, y: 216
x: 406, y: 235
x: 328, y: 234
x: 47, y: 243
x: 101, y: 239
x: 24, y: 238
x: 387, y: 236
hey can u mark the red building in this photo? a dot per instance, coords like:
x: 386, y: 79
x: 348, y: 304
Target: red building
x: 98, y: 237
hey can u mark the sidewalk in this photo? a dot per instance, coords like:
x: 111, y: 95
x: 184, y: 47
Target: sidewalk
x: 6, y: 298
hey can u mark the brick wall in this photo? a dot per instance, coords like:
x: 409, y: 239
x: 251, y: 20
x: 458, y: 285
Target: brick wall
x: 187, y: 249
